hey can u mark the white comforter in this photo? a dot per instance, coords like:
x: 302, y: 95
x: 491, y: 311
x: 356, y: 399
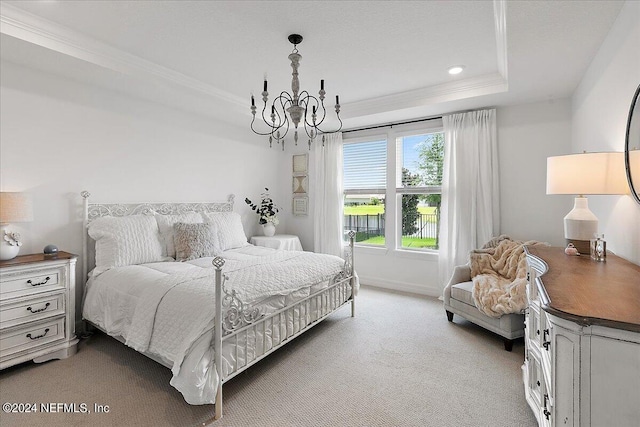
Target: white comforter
x: 167, y: 309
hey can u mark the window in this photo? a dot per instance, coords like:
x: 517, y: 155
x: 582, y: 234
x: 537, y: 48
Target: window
x: 418, y: 184
x: 399, y: 209
x: 365, y: 183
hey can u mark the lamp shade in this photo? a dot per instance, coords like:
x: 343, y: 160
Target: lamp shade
x: 15, y: 207
x: 587, y: 173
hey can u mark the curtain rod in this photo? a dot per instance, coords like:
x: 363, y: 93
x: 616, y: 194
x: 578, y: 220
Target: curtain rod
x: 426, y: 119
x: 392, y: 124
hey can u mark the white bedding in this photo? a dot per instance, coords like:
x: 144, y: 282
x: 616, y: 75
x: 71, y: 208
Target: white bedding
x: 166, y: 309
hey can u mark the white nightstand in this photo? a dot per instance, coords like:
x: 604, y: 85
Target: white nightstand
x: 287, y: 242
x: 37, y: 308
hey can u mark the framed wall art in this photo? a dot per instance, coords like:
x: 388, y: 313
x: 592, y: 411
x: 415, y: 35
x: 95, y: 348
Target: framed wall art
x: 301, y: 205
x: 300, y: 185
x: 300, y: 164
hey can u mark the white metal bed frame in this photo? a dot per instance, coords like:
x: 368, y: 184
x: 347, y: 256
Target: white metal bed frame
x: 232, y: 318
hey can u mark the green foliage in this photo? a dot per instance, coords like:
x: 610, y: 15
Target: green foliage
x: 407, y: 242
x: 431, y: 165
x: 410, y: 212
x: 375, y: 201
x: 379, y: 209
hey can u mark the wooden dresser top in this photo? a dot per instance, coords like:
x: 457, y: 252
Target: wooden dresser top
x: 588, y: 292
x: 29, y: 259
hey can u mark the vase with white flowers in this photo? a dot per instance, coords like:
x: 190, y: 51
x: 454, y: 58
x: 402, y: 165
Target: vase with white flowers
x: 267, y: 212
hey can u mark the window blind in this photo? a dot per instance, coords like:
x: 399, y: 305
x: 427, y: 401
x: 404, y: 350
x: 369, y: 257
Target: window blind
x: 365, y: 166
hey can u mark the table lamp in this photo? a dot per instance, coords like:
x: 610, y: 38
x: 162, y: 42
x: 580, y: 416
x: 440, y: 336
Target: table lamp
x: 583, y: 174
x: 14, y: 207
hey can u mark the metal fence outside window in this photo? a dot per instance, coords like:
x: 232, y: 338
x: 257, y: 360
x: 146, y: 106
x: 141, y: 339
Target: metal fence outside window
x: 368, y: 226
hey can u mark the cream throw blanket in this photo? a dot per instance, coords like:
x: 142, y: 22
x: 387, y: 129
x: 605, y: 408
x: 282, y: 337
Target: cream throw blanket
x: 499, y: 273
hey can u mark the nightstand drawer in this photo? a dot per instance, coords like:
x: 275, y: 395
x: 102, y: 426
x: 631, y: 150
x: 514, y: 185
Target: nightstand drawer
x: 31, y: 309
x: 30, y: 336
x: 29, y: 282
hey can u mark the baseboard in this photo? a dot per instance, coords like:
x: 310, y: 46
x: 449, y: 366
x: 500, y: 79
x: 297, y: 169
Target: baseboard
x: 400, y: 286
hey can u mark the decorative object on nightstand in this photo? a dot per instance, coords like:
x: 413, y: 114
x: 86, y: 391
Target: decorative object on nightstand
x: 50, y: 250
x: 287, y: 242
x: 267, y: 212
x: 37, y: 308
x: 14, y: 207
x: 571, y: 250
x: 583, y: 174
x: 599, y: 248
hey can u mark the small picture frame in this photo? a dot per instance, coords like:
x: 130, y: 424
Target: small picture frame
x: 301, y: 205
x: 300, y: 185
x: 300, y: 164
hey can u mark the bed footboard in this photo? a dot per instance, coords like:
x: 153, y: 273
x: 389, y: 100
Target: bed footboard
x: 254, y: 335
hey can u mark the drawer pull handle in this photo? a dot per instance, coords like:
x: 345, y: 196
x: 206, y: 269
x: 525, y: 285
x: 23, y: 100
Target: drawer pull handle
x: 39, y: 336
x: 546, y: 343
x: 38, y: 284
x: 40, y: 309
x: 546, y: 412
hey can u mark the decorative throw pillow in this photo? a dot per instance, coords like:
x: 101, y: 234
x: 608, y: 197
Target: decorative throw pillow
x: 230, y: 232
x: 195, y: 240
x: 125, y: 240
x: 165, y: 225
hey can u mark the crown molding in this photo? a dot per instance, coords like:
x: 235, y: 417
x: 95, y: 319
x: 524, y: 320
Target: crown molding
x: 28, y: 27
x: 500, y: 20
x: 460, y: 89
x: 33, y: 29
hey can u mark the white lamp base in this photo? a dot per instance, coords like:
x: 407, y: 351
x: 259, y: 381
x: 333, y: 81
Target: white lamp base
x: 7, y: 251
x: 580, y: 225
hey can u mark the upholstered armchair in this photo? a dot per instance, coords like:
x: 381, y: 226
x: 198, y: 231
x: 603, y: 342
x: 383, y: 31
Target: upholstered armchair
x: 458, y: 299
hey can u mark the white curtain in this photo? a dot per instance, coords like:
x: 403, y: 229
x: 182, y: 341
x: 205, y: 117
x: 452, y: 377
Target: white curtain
x: 470, y: 210
x: 327, y: 193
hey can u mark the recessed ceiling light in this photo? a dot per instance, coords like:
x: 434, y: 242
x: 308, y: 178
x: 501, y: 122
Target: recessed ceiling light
x: 456, y: 69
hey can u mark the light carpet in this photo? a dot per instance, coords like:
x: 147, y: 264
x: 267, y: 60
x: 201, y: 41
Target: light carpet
x: 397, y: 363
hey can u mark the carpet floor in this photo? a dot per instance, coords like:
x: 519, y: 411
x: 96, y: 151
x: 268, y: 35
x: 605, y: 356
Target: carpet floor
x: 397, y: 363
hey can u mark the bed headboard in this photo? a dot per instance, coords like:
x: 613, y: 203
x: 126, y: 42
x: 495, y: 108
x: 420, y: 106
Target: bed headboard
x: 97, y: 210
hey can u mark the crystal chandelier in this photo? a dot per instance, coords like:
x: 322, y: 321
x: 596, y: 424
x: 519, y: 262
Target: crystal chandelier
x: 300, y: 106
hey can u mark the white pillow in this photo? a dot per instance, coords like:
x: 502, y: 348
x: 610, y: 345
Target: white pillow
x: 230, y: 232
x: 194, y: 241
x: 165, y: 225
x: 125, y: 240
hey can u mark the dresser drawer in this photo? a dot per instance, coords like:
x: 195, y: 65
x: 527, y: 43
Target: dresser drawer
x: 30, y: 309
x: 533, y: 326
x: 31, y: 335
x: 15, y: 284
x: 536, y: 384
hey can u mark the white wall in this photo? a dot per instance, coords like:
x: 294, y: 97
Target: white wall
x: 59, y: 137
x: 527, y: 135
x: 600, y: 108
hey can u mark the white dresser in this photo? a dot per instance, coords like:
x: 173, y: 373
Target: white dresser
x: 582, y: 340
x: 37, y: 308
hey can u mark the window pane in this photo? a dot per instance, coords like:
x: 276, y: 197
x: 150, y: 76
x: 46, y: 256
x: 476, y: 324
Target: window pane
x: 365, y: 178
x: 420, y: 221
x: 364, y: 214
x: 365, y: 165
x: 422, y: 158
